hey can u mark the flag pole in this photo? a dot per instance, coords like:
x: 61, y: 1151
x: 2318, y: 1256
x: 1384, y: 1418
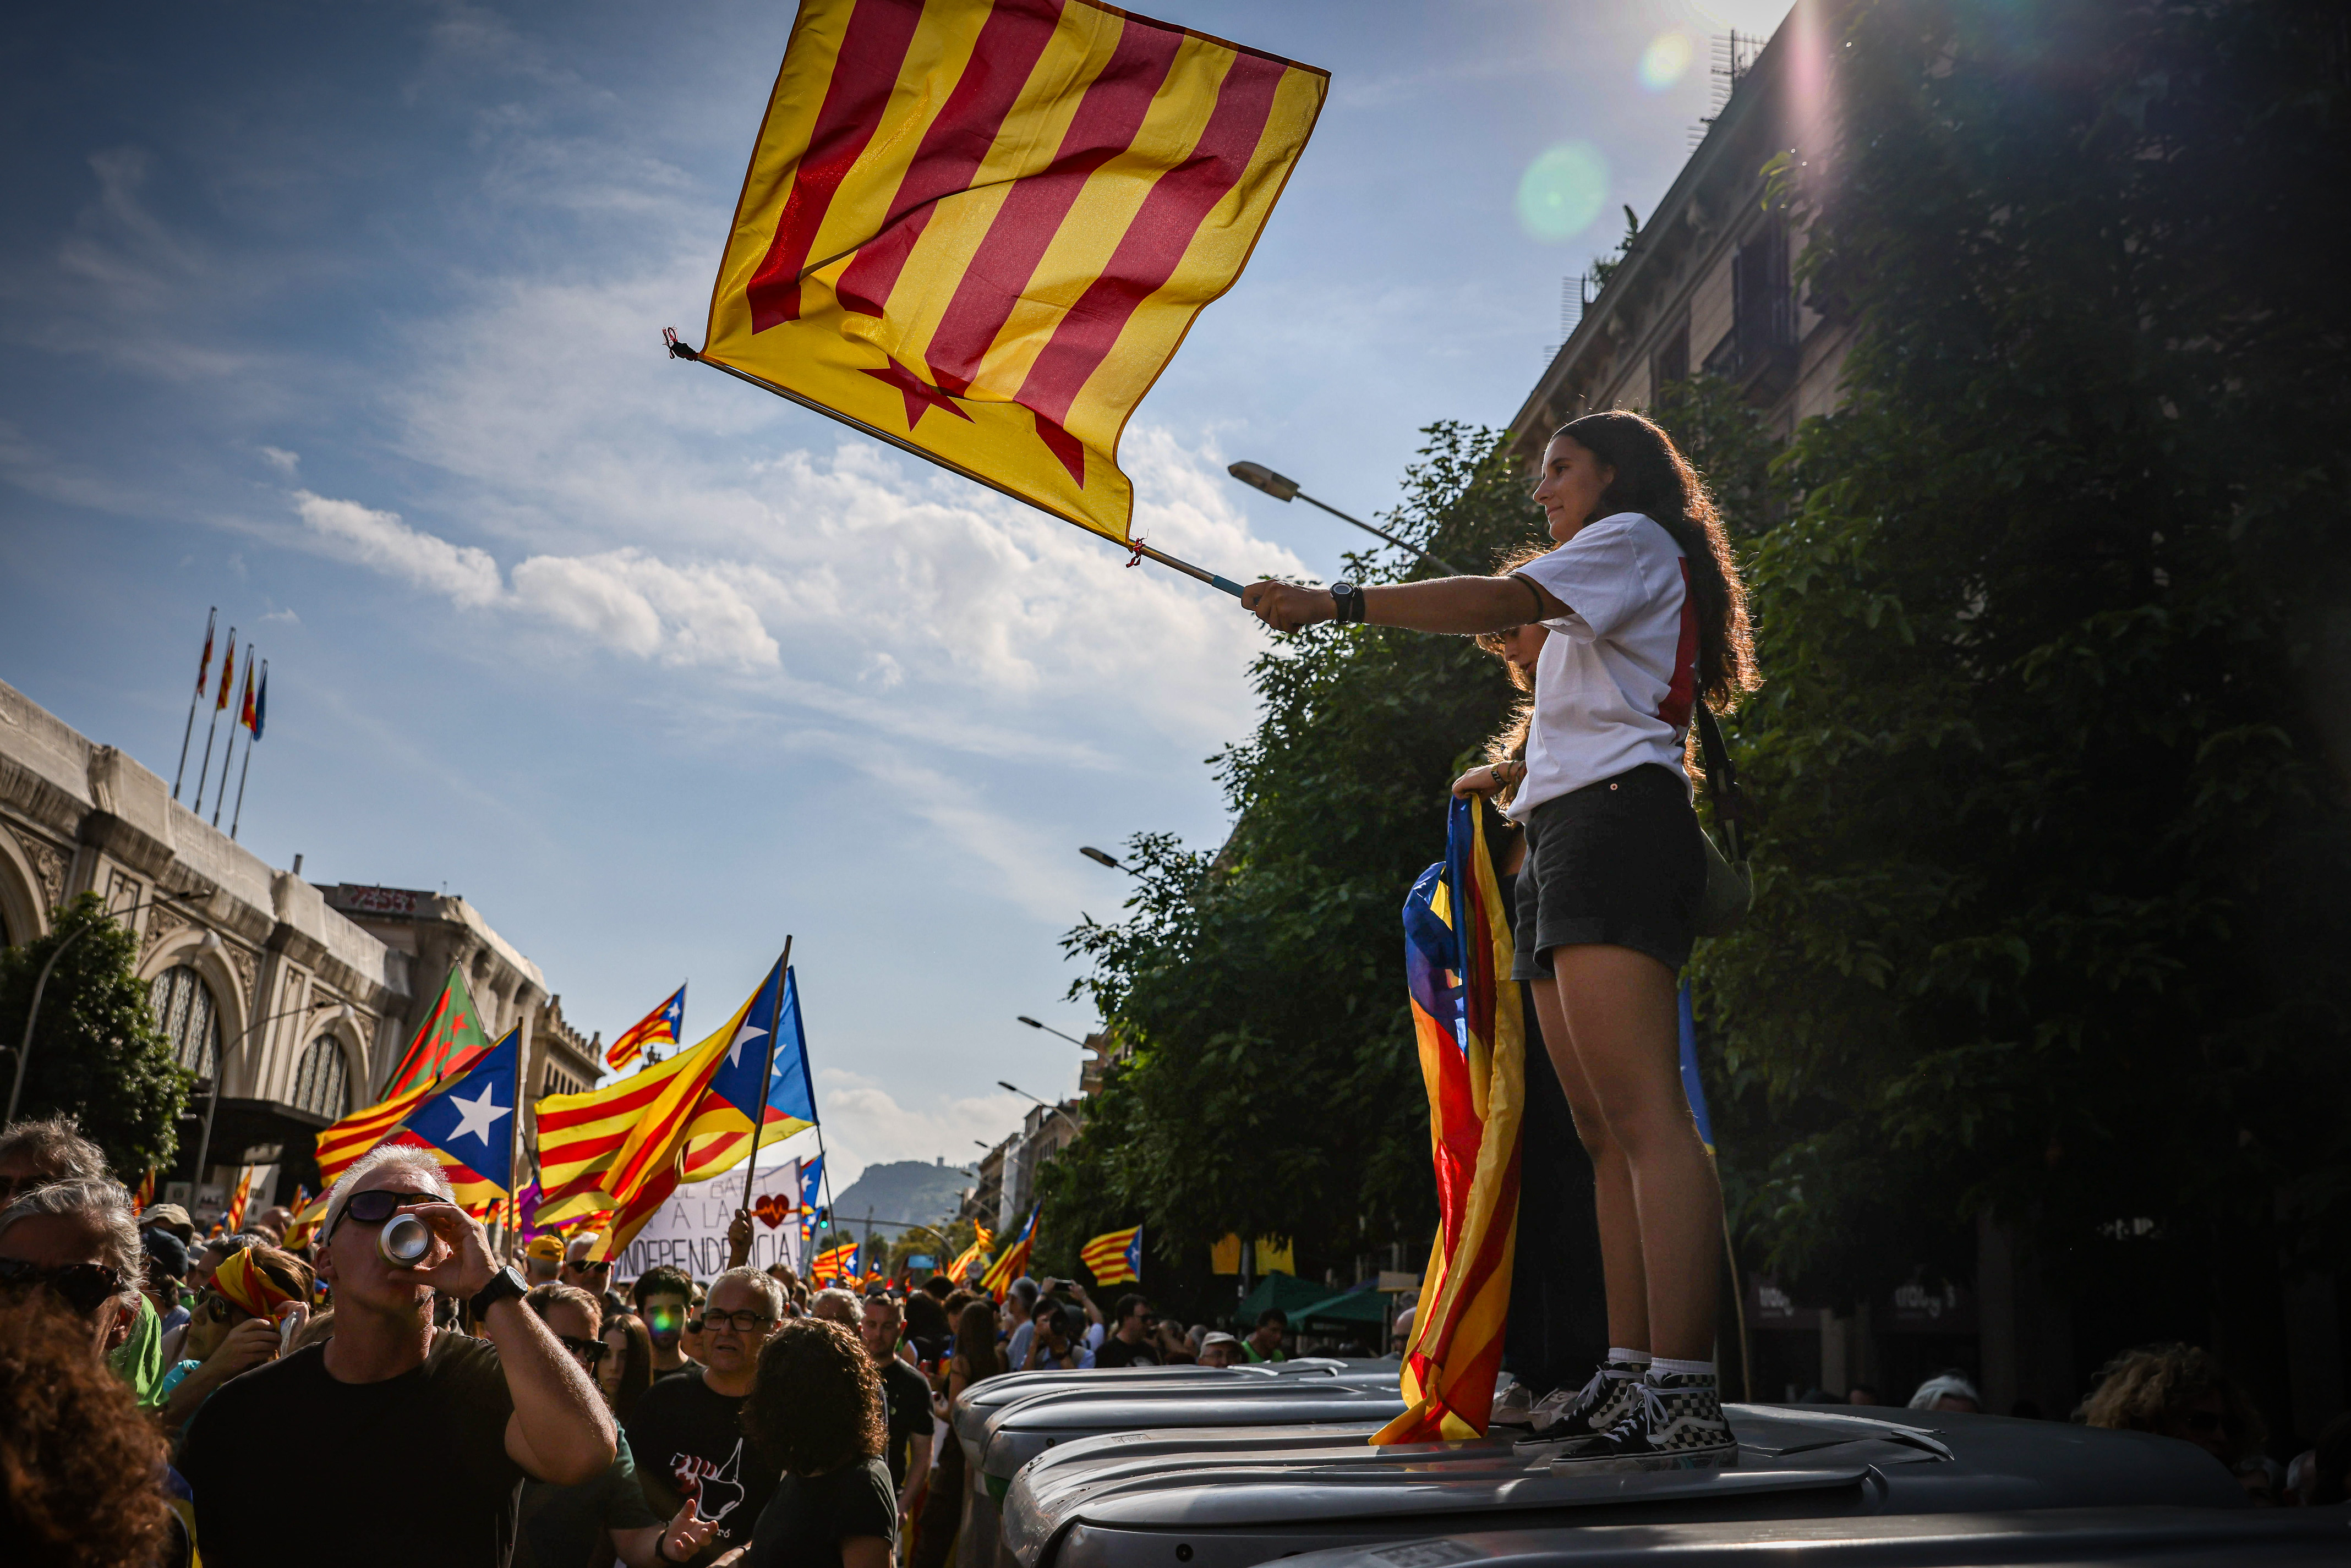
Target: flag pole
x: 759, y: 1116
x: 188, y: 733
x: 680, y: 350
x: 227, y: 753
x: 213, y: 729
x: 238, y: 815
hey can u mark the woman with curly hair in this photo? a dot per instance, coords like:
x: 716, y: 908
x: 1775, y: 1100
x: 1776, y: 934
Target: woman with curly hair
x: 2176, y: 1391
x: 1647, y: 618
x: 816, y: 1408
x: 82, y: 1469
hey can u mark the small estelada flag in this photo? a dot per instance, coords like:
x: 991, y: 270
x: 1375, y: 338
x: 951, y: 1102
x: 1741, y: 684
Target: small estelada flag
x: 233, y: 1221
x: 1114, y: 1257
x: 662, y: 1026
x: 979, y: 229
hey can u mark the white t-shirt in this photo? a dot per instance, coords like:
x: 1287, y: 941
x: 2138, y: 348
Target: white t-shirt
x: 1617, y: 677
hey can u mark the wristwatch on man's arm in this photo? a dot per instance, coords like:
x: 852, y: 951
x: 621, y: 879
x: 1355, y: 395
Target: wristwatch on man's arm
x: 1349, y: 598
x: 506, y: 1285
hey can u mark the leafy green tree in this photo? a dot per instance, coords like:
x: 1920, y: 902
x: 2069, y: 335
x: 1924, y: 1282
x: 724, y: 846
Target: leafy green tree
x: 2048, y: 921
x: 97, y: 1054
x: 1271, y: 1086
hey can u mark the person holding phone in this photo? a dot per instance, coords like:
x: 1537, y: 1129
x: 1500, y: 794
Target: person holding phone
x: 412, y: 1443
x: 239, y: 1322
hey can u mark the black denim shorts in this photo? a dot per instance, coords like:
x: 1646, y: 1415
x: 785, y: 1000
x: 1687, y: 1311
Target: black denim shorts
x: 1619, y: 862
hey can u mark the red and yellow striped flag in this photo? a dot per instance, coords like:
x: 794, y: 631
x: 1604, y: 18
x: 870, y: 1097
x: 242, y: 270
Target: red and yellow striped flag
x: 146, y: 1193
x: 306, y: 1222
x: 1012, y: 1262
x: 979, y: 229
x: 360, y: 1131
x: 831, y: 1265
x: 233, y: 1220
x: 1114, y: 1257
x: 1464, y: 1010
x: 975, y: 1253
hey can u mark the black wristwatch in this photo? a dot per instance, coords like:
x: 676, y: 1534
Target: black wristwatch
x: 1350, y: 600
x: 506, y: 1285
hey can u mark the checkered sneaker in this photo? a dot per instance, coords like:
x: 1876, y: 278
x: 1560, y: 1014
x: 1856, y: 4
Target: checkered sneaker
x: 1674, y: 1422
x: 1585, y: 1412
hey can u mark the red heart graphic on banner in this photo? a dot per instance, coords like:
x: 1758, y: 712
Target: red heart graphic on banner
x: 773, y: 1208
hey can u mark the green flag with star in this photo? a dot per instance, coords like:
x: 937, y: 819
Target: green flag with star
x: 449, y: 1039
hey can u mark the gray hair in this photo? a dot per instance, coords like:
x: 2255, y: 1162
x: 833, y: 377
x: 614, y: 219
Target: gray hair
x: 835, y: 1293
x: 769, y: 1290
x: 1947, y: 1383
x: 56, y: 1144
x: 419, y: 1160
x: 98, y: 1203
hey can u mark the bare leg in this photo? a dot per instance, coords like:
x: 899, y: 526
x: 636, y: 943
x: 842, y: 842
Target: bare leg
x: 1622, y: 1277
x: 1620, y: 1019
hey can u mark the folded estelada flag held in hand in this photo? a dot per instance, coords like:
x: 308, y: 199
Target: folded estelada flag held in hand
x: 979, y: 228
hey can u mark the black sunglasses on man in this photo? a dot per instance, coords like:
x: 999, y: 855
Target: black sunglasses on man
x: 378, y: 1204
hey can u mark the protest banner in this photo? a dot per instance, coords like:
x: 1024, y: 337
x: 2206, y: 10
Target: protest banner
x: 689, y: 1232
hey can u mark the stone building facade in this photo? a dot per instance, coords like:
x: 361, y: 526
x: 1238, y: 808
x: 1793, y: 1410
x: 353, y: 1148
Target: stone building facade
x: 297, y: 1008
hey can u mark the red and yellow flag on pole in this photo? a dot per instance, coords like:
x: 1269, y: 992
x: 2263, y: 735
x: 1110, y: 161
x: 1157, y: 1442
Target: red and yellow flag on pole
x: 233, y: 1221
x: 446, y: 1043
x: 975, y: 1253
x: 1473, y: 1038
x: 979, y: 229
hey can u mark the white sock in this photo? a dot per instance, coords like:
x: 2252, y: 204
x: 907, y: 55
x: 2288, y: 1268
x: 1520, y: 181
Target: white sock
x: 1637, y: 1357
x: 1665, y: 1366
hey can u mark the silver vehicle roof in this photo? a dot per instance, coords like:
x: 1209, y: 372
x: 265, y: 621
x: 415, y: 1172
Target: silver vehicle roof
x: 1225, y: 1500
x: 1019, y: 1432
x: 2148, y: 1537
x: 982, y: 1400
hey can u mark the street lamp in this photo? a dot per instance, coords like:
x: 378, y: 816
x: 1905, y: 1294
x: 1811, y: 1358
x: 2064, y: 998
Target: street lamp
x: 24, y: 1049
x: 1100, y: 857
x: 343, y: 1014
x: 1049, y: 1029
x: 1259, y: 477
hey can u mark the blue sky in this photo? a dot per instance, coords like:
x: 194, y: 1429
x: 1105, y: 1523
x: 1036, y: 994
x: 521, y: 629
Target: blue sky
x: 347, y: 319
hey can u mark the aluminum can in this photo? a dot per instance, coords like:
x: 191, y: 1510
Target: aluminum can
x: 405, y: 1241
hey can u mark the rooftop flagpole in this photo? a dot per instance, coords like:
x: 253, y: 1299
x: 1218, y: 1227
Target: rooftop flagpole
x: 203, y: 669
x: 229, y: 667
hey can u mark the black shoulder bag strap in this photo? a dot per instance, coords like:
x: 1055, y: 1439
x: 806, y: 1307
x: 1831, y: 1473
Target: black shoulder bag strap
x: 1730, y: 806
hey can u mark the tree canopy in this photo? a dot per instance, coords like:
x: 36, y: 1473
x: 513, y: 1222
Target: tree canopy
x: 97, y: 1054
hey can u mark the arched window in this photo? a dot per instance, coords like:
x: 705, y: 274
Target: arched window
x: 320, y: 1080
x: 185, y: 1013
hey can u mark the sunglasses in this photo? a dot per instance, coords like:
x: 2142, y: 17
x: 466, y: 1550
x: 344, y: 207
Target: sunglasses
x: 378, y: 1204
x: 213, y: 1306
x: 588, y: 1350
x: 85, y: 1287
x: 604, y: 1268
x: 742, y: 1322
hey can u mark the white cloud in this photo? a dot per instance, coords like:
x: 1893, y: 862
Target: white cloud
x: 681, y: 615
x: 865, y: 1125
x: 380, y: 540
x: 286, y: 615
x: 284, y: 461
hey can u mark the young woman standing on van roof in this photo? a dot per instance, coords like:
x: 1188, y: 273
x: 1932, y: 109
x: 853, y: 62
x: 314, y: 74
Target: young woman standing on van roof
x: 1648, y: 617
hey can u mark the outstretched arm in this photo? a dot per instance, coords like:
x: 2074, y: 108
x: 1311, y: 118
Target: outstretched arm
x: 560, y: 1430
x: 1462, y: 605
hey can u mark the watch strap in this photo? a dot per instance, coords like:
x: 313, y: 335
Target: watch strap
x: 506, y: 1285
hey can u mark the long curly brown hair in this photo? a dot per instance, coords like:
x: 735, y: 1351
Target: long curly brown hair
x: 2150, y: 1389
x: 82, y: 1469
x: 1654, y: 479
x: 816, y: 1400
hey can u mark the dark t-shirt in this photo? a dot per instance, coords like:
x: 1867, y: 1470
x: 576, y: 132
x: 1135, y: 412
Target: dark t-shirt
x: 1116, y: 1351
x: 445, y: 1422
x: 805, y: 1522
x: 683, y: 1431
x: 908, y: 1392
x: 560, y: 1523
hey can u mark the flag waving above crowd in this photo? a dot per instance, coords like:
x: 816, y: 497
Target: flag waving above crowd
x: 659, y: 1027
x: 979, y: 229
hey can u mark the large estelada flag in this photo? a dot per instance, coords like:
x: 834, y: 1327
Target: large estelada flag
x: 1114, y: 1257
x: 662, y: 1026
x: 1012, y: 1262
x: 468, y: 1122
x: 448, y: 1040
x: 791, y: 1103
x: 1473, y: 1038
x: 979, y: 229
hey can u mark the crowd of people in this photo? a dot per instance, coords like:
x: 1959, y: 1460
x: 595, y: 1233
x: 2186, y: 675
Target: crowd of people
x: 160, y: 1392
x: 163, y: 1390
